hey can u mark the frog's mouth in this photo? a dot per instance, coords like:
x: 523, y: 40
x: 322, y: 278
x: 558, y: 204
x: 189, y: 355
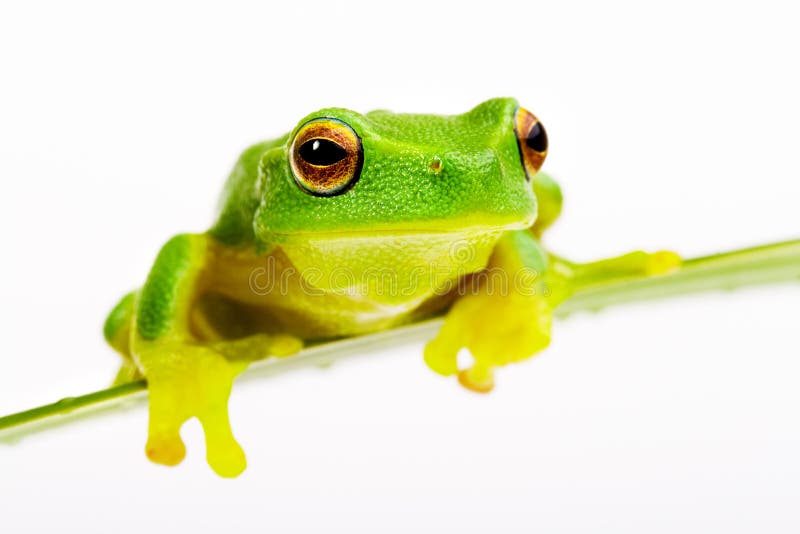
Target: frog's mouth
x: 415, y: 232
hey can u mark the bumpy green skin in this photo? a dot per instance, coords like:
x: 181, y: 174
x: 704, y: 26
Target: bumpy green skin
x: 481, y: 180
x: 118, y: 323
x: 477, y: 184
x: 159, y: 296
x: 448, y: 192
x: 442, y: 204
x: 240, y: 197
x: 118, y: 317
x: 548, y: 194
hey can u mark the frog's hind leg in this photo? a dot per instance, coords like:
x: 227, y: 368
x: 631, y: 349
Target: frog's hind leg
x: 117, y: 332
x: 550, y: 200
x: 633, y: 265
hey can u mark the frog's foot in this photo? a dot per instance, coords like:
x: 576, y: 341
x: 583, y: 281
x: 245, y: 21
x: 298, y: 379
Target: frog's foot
x: 496, y: 329
x: 188, y: 380
x: 634, y: 264
x: 662, y: 262
x: 185, y: 381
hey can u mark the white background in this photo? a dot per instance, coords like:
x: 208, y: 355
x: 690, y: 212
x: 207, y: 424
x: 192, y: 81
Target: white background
x: 670, y: 127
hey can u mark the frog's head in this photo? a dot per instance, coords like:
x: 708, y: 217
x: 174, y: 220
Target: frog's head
x: 341, y: 173
x: 398, y: 192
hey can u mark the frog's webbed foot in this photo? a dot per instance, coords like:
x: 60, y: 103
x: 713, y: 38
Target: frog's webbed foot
x: 505, y: 316
x: 186, y: 380
x: 499, y: 327
x: 496, y: 329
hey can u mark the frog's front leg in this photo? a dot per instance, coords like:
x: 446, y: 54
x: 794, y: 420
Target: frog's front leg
x: 188, y: 377
x: 503, y: 316
x: 508, y: 314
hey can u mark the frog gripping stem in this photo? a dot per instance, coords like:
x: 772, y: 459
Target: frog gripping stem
x: 501, y: 319
x: 503, y: 323
x: 199, y: 385
x: 767, y: 264
x: 381, y: 198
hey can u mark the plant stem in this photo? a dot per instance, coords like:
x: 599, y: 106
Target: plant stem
x: 15, y: 425
x: 766, y: 264
x: 779, y: 262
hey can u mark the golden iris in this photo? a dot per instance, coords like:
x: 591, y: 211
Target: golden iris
x: 326, y: 157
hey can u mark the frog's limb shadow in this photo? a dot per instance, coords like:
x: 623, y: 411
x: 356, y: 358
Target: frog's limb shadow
x: 499, y: 325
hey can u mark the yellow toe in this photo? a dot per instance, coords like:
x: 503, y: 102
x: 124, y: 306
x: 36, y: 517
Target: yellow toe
x: 227, y: 460
x: 440, y: 358
x: 663, y: 262
x: 165, y: 450
x: 477, y: 378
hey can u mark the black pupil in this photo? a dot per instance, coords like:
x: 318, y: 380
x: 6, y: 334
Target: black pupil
x: 537, y: 138
x: 322, y: 152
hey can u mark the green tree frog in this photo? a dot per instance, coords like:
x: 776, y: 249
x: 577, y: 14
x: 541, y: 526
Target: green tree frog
x: 350, y: 224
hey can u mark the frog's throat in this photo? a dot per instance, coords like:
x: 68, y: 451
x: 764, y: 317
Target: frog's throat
x: 391, y: 268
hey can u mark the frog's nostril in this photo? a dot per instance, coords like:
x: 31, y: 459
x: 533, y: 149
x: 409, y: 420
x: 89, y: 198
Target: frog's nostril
x: 436, y: 164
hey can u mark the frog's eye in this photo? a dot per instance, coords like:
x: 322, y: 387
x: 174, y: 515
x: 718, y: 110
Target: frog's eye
x: 326, y: 157
x: 531, y: 140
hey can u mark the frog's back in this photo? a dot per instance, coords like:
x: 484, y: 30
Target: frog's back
x: 240, y: 197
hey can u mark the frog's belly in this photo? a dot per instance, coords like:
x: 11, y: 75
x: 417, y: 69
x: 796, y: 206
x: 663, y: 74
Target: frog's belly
x: 310, y: 313
x: 333, y: 316
x: 353, y: 286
